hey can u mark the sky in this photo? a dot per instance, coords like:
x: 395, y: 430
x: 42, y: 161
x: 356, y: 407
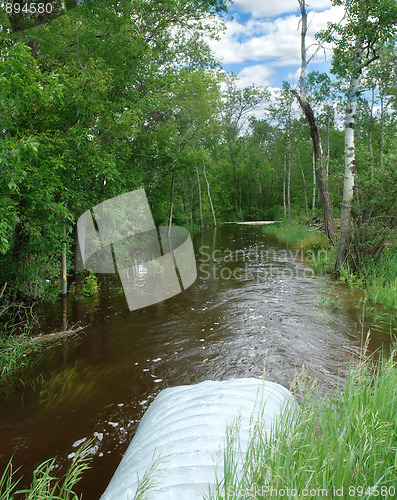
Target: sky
x: 261, y: 43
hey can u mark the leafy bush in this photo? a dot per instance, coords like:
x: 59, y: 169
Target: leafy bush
x: 90, y: 286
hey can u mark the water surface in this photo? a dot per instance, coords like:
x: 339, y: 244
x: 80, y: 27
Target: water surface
x: 254, y: 308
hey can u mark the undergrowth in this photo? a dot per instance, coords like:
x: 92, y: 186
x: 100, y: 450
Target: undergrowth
x: 377, y: 279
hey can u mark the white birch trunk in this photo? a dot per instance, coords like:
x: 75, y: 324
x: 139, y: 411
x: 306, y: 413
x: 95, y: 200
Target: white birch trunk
x: 199, y: 197
x: 64, y: 278
x: 304, y: 188
x: 171, y: 206
x: 284, y: 186
x: 350, y: 164
x: 209, y: 196
x: 314, y: 187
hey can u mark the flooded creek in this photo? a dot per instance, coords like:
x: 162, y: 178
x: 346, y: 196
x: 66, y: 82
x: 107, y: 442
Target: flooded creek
x: 253, y: 308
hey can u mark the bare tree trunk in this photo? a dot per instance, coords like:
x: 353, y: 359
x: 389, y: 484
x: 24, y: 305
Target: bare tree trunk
x: 328, y: 144
x: 260, y: 190
x: 64, y: 275
x: 371, y: 126
x: 314, y: 187
x: 304, y: 188
x: 209, y: 196
x: 321, y: 171
x: 199, y: 196
x: 171, y: 205
x: 187, y: 204
x: 350, y: 163
x: 269, y: 191
x: 191, y: 201
x: 320, y: 163
x: 289, y: 176
x: 382, y: 125
x: 284, y: 186
x: 35, y: 284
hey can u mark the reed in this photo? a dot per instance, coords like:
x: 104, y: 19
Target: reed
x: 381, y: 281
x: 44, y: 484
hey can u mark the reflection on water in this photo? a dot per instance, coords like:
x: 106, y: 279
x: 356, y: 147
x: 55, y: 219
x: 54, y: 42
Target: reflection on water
x: 254, y: 307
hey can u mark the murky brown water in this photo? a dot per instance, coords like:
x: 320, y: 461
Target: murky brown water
x: 253, y: 307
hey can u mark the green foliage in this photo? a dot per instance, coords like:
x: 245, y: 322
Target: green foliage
x: 313, y: 244
x: 110, y: 97
x: 323, y: 261
x: 90, y: 286
x: 328, y: 299
x: 19, y: 349
x: 376, y: 278
x: 16, y: 349
x: 55, y: 388
x: 351, y: 279
x: 375, y: 212
x: 370, y: 24
x: 345, y: 439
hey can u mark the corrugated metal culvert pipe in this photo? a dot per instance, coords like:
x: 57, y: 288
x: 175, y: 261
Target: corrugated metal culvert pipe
x: 181, y: 439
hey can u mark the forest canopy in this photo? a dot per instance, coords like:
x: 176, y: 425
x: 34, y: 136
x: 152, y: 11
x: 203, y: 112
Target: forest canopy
x: 105, y: 97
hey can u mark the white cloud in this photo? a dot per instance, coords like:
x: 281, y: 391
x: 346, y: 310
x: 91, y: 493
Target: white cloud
x: 272, y: 8
x: 293, y: 76
x: 277, y: 41
x: 254, y: 75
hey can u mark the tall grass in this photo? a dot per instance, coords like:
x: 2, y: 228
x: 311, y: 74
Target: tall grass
x: 310, y: 245
x: 45, y: 486
x: 377, y: 279
x: 381, y: 281
x: 341, y: 445
x: 291, y: 233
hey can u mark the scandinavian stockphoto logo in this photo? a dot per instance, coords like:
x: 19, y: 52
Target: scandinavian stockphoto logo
x: 119, y: 235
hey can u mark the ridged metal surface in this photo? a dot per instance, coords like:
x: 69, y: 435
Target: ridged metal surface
x: 185, y: 427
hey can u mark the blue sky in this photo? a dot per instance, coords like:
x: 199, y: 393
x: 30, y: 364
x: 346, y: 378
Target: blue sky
x: 262, y: 42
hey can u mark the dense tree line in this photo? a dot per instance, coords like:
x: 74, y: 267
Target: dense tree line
x: 121, y: 94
